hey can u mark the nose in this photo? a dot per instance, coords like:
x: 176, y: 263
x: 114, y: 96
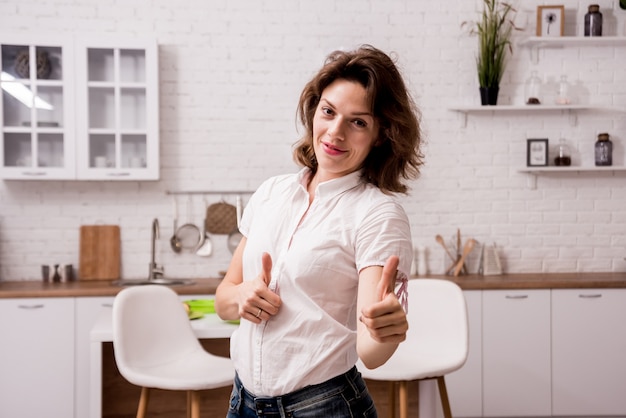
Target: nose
x: 336, y: 128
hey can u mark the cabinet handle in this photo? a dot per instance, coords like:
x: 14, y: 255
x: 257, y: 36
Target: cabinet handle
x: 38, y: 306
x: 33, y: 173
x: 107, y: 305
x: 516, y: 296
x: 593, y: 296
x: 119, y: 174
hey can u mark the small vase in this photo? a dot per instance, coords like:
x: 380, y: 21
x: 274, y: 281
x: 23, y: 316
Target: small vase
x: 489, y: 95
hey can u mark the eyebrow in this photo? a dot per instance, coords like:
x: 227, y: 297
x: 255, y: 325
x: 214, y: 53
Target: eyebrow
x: 352, y: 114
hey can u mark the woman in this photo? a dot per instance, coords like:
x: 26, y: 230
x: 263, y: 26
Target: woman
x: 312, y: 280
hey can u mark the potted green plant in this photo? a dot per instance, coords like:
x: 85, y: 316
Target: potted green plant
x: 494, y: 30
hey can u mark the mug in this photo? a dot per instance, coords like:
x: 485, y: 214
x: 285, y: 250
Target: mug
x: 100, y: 161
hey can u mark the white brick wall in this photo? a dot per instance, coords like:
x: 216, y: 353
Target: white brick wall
x: 231, y: 74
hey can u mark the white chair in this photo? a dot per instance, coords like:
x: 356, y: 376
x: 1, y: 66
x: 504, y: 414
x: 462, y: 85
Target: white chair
x: 155, y: 347
x: 436, y: 344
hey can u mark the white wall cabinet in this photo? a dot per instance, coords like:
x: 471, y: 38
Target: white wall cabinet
x: 516, y: 353
x: 37, y: 109
x: 84, y: 109
x: 589, y: 347
x: 37, y: 357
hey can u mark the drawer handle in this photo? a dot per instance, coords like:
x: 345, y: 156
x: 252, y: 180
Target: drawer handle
x: 107, y: 305
x: 593, y: 296
x: 516, y: 296
x: 38, y: 306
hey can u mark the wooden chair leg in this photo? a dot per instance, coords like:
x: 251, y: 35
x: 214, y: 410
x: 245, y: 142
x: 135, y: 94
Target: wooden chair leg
x: 392, y: 399
x: 188, y: 404
x: 195, y: 404
x: 443, y: 393
x: 404, y: 399
x: 143, y: 403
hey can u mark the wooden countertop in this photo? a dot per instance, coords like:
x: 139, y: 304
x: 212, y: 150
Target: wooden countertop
x: 35, y: 289
x: 38, y: 289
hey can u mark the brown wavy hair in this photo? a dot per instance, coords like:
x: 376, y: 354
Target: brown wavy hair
x: 396, y: 154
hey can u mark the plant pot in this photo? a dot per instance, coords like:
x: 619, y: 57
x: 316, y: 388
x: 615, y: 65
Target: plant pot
x: 489, y: 95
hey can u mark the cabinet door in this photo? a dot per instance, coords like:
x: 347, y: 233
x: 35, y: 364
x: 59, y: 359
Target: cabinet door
x: 465, y: 385
x: 37, y: 357
x: 589, y: 352
x: 118, y: 105
x: 37, y: 109
x: 87, y: 311
x: 516, y: 353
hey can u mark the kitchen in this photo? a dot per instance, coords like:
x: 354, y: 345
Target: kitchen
x: 229, y: 79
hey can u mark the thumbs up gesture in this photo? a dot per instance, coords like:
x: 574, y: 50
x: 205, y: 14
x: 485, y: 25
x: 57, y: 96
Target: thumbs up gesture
x: 256, y: 301
x: 385, y: 319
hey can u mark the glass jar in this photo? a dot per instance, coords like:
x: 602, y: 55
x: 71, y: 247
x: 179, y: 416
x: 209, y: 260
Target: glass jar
x: 563, y: 97
x: 604, y: 150
x: 532, y: 89
x: 593, y: 21
x: 564, y: 158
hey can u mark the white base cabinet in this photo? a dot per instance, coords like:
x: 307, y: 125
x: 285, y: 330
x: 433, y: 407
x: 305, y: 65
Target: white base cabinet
x: 589, y: 352
x: 465, y: 385
x: 516, y: 353
x: 37, y: 357
x: 87, y: 311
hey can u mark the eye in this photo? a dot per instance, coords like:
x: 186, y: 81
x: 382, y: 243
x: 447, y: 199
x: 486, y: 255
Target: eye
x: 327, y: 111
x: 360, y: 123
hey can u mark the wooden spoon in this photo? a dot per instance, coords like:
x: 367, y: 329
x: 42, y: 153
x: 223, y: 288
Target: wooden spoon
x: 469, y: 246
x: 440, y: 240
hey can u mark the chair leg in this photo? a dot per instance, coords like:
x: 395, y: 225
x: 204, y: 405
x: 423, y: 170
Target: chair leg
x: 404, y: 399
x: 195, y: 404
x: 143, y: 402
x: 443, y: 393
x: 188, y: 404
x: 392, y: 399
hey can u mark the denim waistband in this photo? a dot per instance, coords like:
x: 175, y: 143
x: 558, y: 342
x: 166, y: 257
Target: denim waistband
x: 306, y: 395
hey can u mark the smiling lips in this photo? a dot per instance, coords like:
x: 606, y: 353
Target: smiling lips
x: 332, y: 150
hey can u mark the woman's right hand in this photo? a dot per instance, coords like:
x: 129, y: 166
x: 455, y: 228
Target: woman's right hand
x: 256, y: 301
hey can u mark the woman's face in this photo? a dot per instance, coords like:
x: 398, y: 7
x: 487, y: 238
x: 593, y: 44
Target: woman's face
x: 344, y: 129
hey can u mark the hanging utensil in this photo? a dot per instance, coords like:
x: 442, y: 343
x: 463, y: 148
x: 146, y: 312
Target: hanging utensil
x: 174, y: 241
x: 235, y: 236
x: 206, y: 247
x: 189, y: 234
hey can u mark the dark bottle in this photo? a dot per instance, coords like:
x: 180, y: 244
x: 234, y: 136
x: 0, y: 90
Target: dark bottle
x: 593, y: 21
x: 56, y: 278
x: 604, y: 150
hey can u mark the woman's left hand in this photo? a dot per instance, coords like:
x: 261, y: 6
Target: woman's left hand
x: 386, y: 320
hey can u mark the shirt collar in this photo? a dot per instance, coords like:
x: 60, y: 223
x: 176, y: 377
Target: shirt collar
x: 332, y: 187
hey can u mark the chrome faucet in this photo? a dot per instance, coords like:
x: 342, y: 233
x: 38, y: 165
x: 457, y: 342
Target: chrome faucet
x: 155, y: 271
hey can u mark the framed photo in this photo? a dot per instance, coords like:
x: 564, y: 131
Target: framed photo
x: 550, y: 20
x: 537, y: 152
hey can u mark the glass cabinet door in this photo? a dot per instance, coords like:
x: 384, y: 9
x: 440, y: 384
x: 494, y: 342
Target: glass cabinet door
x: 122, y: 113
x: 36, y: 141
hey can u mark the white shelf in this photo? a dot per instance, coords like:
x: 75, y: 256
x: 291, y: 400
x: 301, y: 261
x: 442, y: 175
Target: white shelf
x: 570, y: 109
x: 535, y: 171
x: 537, y: 42
x: 554, y: 169
x: 562, y: 41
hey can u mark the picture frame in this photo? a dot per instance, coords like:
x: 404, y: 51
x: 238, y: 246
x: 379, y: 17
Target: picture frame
x: 550, y: 20
x: 537, y: 152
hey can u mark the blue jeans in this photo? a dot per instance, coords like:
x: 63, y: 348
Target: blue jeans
x: 343, y: 396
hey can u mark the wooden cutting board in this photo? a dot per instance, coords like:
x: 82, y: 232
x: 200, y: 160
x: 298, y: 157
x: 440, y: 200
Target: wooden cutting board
x: 99, y: 252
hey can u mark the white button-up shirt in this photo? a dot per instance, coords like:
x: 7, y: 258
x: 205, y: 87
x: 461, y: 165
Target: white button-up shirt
x: 349, y: 225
